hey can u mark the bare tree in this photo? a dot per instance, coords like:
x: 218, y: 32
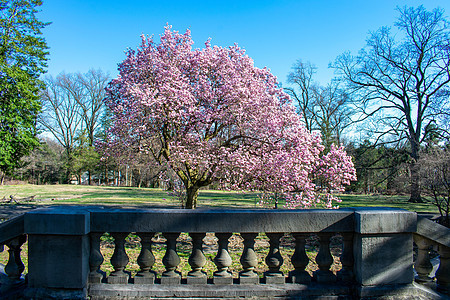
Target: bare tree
x: 302, y: 78
x: 61, y: 114
x: 331, y: 112
x: 401, y: 81
x: 72, y: 106
x: 93, y: 84
x: 435, y: 174
x: 323, y: 108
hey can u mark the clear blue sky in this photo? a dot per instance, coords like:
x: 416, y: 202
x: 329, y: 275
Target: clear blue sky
x: 95, y: 34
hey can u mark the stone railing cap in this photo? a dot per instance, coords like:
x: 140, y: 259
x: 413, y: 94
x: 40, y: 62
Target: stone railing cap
x: 64, y: 220
x: 379, y: 220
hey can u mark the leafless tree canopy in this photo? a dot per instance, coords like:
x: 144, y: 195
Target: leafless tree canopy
x: 324, y: 108
x: 402, y: 79
x: 73, y: 103
x: 61, y: 115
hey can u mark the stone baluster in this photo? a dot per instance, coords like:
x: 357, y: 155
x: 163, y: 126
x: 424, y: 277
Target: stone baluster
x: 324, y: 260
x: 300, y: 260
x: 119, y: 260
x: 346, y: 272
x: 443, y: 272
x: 145, y: 260
x: 95, y: 259
x: 197, y: 260
x: 171, y: 260
x: 274, y: 260
x: 15, y: 266
x: 422, y: 265
x: 223, y: 260
x: 249, y: 260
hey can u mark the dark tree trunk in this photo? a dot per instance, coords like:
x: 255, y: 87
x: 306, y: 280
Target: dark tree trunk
x: 191, y: 197
x: 414, y: 168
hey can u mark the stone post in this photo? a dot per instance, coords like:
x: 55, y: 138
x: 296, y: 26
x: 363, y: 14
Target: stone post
x: 274, y: 260
x: 223, y: 260
x: 324, y: 259
x: 300, y: 260
x: 443, y: 273
x: 145, y: 260
x: 119, y: 260
x: 58, y: 252
x: 423, y: 264
x: 171, y: 260
x: 197, y: 260
x: 382, y: 249
x: 249, y: 260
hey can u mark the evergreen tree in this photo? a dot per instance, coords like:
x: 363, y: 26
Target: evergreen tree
x: 23, y: 53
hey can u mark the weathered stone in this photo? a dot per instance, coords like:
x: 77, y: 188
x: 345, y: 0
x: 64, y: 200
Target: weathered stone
x: 58, y: 221
x: 58, y: 261
x: 384, y: 220
x: 248, y: 280
x: 275, y: 279
x: 382, y: 246
x: 171, y: 280
x: 222, y: 220
x: 383, y: 259
x: 58, y: 247
x: 223, y: 280
x: 197, y: 279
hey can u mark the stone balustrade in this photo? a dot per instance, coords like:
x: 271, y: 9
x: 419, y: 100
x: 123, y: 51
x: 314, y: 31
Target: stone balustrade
x: 429, y: 236
x: 64, y: 257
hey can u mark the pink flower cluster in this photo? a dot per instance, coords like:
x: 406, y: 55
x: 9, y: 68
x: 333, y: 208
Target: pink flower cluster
x: 211, y: 116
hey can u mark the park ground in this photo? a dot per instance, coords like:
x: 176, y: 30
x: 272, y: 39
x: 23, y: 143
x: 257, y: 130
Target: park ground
x: 132, y: 196
x: 27, y: 197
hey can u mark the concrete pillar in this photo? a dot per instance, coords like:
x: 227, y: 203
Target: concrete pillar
x: 382, y: 248
x: 58, y: 251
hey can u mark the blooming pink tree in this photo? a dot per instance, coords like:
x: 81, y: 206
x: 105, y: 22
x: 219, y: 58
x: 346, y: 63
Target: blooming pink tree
x: 211, y: 116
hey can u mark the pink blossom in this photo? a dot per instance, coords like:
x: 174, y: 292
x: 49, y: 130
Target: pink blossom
x: 211, y: 116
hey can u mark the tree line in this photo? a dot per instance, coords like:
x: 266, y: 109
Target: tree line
x: 388, y: 105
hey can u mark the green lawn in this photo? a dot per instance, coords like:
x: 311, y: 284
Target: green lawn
x: 131, y: 196
x: 126, y: 196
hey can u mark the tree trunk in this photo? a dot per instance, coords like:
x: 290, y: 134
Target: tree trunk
x: 89, y: 178
x: 191, y: 197
x: 414, y: 169
x: 415, y: 183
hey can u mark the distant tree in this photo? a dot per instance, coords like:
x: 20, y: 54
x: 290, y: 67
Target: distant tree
x: 23, y: 53
x: 435, y: 170
x: 301, y: 77
x: 84, y: 157
x: 62, y: 115
x: 332, y: 113
x: 211, y: 116
x: 402, y: 80
x: 72, y: 109
x: 93, y: 84
x: 378, y: 168
x: 325, y: 109
x: 44, y: 164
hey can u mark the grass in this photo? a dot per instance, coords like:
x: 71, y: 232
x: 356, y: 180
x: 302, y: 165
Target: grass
x: 106, y: 195
x: 130, y: 196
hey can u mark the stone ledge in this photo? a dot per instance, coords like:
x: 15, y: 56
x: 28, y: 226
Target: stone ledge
x: 111, y: 291
x: 404, y: 291
x: 384, y: 220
